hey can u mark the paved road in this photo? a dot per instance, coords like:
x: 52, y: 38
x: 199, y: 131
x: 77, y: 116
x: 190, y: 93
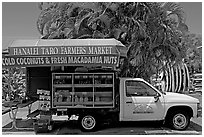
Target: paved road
x: 125, y: 128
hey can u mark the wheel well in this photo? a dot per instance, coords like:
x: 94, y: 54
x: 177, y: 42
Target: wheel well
x: 186, y: 109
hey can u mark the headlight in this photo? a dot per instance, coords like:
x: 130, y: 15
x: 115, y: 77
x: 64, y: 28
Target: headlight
x: 199, y: 112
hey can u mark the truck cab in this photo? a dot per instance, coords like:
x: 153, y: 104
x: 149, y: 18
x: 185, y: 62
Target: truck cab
x: 140, y: 101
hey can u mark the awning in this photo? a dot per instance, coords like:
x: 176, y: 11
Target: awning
x: 66, y: 52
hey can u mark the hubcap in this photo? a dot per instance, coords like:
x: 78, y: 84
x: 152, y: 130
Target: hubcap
x: 88, y: 122
x: 179, y: 121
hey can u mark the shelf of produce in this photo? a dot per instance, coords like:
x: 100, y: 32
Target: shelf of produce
x: 62, y: 85
x: 103, y: 85
x: 83, y: 85
x: 103, y: 103
x: 82, y: 103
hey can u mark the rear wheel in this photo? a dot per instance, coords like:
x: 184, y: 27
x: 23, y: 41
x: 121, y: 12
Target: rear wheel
x: 179, y: 120
x: 88, y: 123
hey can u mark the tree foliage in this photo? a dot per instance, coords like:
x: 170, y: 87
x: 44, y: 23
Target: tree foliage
x: 193, y: 44
x: 151, y: 31
x: 13, y: 84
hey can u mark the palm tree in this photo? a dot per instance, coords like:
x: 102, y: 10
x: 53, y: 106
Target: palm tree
x: 149, y: 30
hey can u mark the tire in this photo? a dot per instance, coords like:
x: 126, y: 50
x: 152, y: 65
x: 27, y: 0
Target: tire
x: 88, y: 123
x: 178, y: 120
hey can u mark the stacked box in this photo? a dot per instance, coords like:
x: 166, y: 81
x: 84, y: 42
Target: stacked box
x: 43, y: 122
x: 41, y: 126
x: 44, y: 99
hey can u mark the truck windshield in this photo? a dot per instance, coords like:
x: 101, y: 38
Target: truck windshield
x: 140, y: 88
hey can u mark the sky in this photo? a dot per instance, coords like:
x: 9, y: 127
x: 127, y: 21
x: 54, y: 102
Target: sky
x: 19, y: 20
x: 193, y: 12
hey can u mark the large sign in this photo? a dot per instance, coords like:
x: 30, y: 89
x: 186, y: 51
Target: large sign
x: 62, y: 50
x: 69, y: 60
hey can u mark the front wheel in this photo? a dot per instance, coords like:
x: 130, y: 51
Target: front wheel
x: 179, y: 120
x: 88, y: 123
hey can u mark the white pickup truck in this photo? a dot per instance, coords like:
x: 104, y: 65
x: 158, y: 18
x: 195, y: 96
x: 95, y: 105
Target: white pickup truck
x: 140, y: 101
x: 99, y: 97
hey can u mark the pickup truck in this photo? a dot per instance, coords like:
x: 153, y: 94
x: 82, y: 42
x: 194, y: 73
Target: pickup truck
x: 98, y: 97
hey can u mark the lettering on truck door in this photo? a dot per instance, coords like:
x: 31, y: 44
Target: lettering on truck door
x: 140, y: 103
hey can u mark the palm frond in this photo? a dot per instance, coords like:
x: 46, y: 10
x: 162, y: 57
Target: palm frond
x: 172, y: 8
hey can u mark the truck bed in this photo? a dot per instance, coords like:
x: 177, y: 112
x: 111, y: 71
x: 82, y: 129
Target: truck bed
x: 82, y: 90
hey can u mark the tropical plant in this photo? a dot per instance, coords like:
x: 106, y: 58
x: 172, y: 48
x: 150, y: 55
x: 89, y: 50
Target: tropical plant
x: 13, y: 84
x: 193, y: 44
x: 151, y: 31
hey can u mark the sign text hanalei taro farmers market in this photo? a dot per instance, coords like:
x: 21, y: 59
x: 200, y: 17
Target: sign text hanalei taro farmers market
x: 62, y: 50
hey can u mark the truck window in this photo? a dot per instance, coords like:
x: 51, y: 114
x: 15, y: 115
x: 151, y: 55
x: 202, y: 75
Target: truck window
x: 138, y: 88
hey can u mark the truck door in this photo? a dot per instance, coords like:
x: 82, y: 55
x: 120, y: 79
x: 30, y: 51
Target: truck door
x: 140, y: 102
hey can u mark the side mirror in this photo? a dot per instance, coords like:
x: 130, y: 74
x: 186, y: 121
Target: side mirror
x: 157, y: 97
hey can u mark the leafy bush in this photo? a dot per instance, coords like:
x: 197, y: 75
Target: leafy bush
x: 13, y: 84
